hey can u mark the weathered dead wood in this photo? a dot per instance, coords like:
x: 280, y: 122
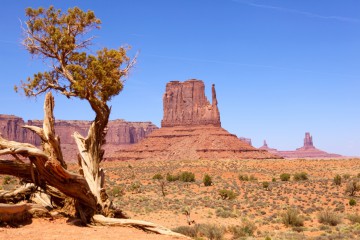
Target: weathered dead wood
x: 20, y: 212
x: 15, y: 168
x: 17, y: 195
x: 147, y: 226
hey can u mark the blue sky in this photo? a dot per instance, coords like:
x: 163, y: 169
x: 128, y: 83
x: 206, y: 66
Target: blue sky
x: 281, y: 68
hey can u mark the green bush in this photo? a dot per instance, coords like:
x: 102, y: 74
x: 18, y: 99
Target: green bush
x: 135, y: 187
x: 266, y: 185
x: 329, y: 218
x: 187, y: 231
x: 187, y: 177
x: 117, y: 191
x: 172, y: 178
x: 252, y: 178
x: 225, y: 213
x: 226, y: 194
x: 291, y: 217
x: 243, y: 177
x: 352, y: 202
x: 158, y: 176
x: 346, y: 176
x: 6, y: 180
x: 337, y: 180
x: 207, y: 180
x: 285, y: 177
x: 273, y: 179
x: 300, y: 176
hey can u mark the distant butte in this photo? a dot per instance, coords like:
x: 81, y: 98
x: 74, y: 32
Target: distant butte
x: 306, y: 151
x: 191, y: 129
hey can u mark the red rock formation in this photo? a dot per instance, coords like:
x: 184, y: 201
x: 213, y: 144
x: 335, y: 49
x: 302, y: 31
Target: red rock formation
x: 120, y: 132
x: 247, y: 140
x: 306, y: 151
x: 185, y: 104
x: 190, y: 130
x: 270, y: 150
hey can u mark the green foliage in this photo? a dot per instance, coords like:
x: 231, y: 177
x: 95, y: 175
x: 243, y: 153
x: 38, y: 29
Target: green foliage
x: 207, y: 180
x: 135, y: 187
x: 158, y: 176
x: 329, y: 218
x: 346, y: 176
x: 266, y: 185
x: 352, y: 187
x: 268, y: 238
x: 291, y: 217
x: 226, y: 194
x: 285, y: 177
x: 352, y: 202
x: 59, y: 38
x: 300, y: 176
x: 172, y: 178
x: 273, y: 179
x: 117, y: 191
x: 187, y: 177
x: 246, y: 229
x: 243, y: 177
x: 337, y: 180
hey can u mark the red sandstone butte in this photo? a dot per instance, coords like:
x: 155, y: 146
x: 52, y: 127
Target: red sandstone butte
x: 306, y: 151
x: 191, y: 129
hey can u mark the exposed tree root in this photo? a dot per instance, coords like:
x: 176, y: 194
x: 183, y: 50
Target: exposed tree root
x: 17, y: 195
x: 147, y: 226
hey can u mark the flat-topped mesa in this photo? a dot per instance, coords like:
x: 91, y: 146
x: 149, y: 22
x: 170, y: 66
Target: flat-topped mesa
x: 185, y: 104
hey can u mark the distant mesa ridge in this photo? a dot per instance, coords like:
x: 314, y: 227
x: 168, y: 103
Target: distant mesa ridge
x: 120, y: 132
x: 191, y: 129
x: 306, y: 151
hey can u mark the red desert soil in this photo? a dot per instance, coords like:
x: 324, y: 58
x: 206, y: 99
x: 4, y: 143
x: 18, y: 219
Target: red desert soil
x: 41, y: 229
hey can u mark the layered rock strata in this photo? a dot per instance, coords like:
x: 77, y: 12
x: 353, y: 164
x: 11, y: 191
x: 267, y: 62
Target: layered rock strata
x: 191, y: 129
x: 120, y: 132
x: 185, y: 104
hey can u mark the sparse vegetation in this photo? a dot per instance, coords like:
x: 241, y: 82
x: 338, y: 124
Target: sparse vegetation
x: 352, y: 187
x: 171, y: 177
x: 158, y: 176
x: 207, y: 180
x: 210, y: 231
x: 352, y: 202
x: 285, y: 177
x: 300, y: 176
x: 243, y: 177
x: 329, y: 217
x: 354, y: 218
x: 187, y: 177
x: 337, y: 180
x: 266, y: 185
x: 226, y: 194
x: 292, y: 217
x: 246, y: 229
x: 6, y: 180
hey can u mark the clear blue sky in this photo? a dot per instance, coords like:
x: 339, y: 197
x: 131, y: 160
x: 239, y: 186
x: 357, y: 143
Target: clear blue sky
x: 281, y: 68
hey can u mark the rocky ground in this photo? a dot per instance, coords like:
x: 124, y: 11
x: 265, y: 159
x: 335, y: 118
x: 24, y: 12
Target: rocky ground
x: 254, y: 210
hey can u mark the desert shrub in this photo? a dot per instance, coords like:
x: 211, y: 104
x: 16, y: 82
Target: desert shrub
x: 135, y: 187
x: 285, y: 177
x: 207, y: 180
x: 300, y: 176
x: 187, y: 177
x: 354, y: 218
x: 225, y: 213
x: 292, y: 217
x: 266, y: 185
x: 268, y: 238
x: 352, y: 202
x: 246, y: 229
x: 358, y: 175
x: 172, y: 178
x: 346, y: 176
x: 158, y: 176
x: 226, y: 194
x: 186, y: 230
x: 352, y: 187
x: 273, y: 179
x: 243, y: 177
x: 337, y: 180
x: 329, y: 218
x: 252, y: 178
x: 117, y: 191
x: 211, y: 231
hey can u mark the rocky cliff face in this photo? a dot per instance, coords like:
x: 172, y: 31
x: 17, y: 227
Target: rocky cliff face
x: 120, y: 132
x: 185, y: 104
x: 308, y: 142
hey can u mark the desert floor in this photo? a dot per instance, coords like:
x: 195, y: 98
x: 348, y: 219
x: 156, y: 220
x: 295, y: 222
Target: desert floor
x: 255, y: 212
